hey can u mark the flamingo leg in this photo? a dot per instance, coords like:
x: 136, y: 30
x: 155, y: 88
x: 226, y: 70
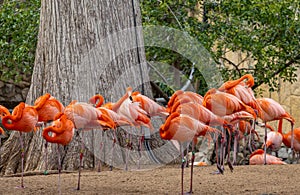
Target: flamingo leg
x: 220, y: 170
x: 141, y: 140
x: 22, y: 160
x: 292, y: 142
x: 100, y: 151
x: 192, y: 167
x: 182, y: 166
x: 129, y: 145
x: 59, y: 169
x: 228, y: 152
x: 80, y: 162
x: 235, y: 146
x: 46, y: 154
x: 265, y: 145
x: 113, y: 149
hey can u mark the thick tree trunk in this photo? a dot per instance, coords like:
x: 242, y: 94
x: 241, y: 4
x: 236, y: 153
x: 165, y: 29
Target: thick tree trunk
x: 85, y: 47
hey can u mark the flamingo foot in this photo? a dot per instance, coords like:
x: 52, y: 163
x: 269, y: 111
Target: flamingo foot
x: 219, y: 171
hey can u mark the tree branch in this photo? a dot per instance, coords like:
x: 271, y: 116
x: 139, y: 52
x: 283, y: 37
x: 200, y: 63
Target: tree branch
x: 292, y: 61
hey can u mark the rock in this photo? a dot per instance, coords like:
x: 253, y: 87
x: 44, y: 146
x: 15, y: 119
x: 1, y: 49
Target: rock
x: 2, y: 84
x: 24, y: 93
x: 9, y: 90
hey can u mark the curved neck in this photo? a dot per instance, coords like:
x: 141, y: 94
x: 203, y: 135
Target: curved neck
x: 42, y: 100
x: 117, y: 105
x: 280, y: 126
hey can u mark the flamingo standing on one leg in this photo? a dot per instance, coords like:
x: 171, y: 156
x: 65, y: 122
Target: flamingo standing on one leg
x: 272, y: 110
x: 23, y: 119
x: 184, y: 128
x: 119, y: 120
x: 47, y: 107
x: 133, y: 112
x: 86, y: 117
x: 62, y: 131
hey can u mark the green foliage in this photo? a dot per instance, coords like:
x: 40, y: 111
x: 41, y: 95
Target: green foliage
x: 18, y: 37
x: 266, y: 32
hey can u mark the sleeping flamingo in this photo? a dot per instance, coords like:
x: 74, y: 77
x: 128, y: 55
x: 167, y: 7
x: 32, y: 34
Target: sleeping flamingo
x: 133, y: 112
x: 85, y: 117
x: 23, y: 119
x: 119, y: 120
x: 258, y: 158
x: 47, y: 107
x: 183, y: 128
x: 62, y: 131
x: 183, y: 97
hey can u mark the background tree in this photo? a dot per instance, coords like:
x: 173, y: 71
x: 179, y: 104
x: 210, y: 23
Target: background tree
x: 265, y: 32
x: 84, y: 47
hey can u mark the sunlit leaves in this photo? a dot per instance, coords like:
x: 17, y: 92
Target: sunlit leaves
x: 18, y: 37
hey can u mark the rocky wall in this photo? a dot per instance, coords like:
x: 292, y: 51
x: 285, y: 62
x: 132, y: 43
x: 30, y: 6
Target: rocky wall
x: 12, y: 93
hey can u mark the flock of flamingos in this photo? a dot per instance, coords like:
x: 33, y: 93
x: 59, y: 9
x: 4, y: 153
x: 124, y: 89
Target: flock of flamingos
x: 187, y: 116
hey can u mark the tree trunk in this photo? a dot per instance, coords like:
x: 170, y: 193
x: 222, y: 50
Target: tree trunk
x: 84, y: 47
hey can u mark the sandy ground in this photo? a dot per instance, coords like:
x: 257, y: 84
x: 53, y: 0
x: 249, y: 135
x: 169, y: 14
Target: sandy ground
x: 256, y: 179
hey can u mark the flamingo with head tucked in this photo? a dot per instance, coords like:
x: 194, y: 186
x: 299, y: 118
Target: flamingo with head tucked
x: 257, y: 158
x: 23, y: 119
x: 62, y: 131
x: 85, y: 117
x: 47, y: 107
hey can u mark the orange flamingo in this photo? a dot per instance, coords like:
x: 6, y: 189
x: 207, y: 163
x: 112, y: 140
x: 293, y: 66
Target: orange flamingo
x: 47, y: 107
x: 151, y: 107
x: 272, y: 110
x: 23, y: 119
x: 62, y: 131
x: 135, y: 114
x: 183, y: 128
x: 223, y: 104
x: 287, y: 140
x: 183, y: 97
x: 242, y: 90
x: 257, y: 158
x: 119, y: 120
x: 274, y: 139
x: 86, y: 117
x: 202, y: 114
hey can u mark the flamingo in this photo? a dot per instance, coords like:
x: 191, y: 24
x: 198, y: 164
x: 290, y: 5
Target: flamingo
x: 47, y: 107
x: 85, y: 116
x: 183, y: 97
x: 258, y: 158
x: 202, y: 114
x: 272, y: 110
x: 151, y: 107
x: 119, y: 120
x: 62, y: 131
x: 287, y: 140
x: 222, y: 104
x: 274, y: 139
x: 183, y: 128
x: 133, y: 112
x: 242, y: 91
x: 23, y: 119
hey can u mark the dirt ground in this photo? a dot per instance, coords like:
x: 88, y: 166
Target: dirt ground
x: 255, y: 179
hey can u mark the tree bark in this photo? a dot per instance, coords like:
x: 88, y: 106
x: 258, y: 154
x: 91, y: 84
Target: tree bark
x: 84, y: 47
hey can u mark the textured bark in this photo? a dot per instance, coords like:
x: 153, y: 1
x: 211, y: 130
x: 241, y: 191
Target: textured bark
x: 85, y: 47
